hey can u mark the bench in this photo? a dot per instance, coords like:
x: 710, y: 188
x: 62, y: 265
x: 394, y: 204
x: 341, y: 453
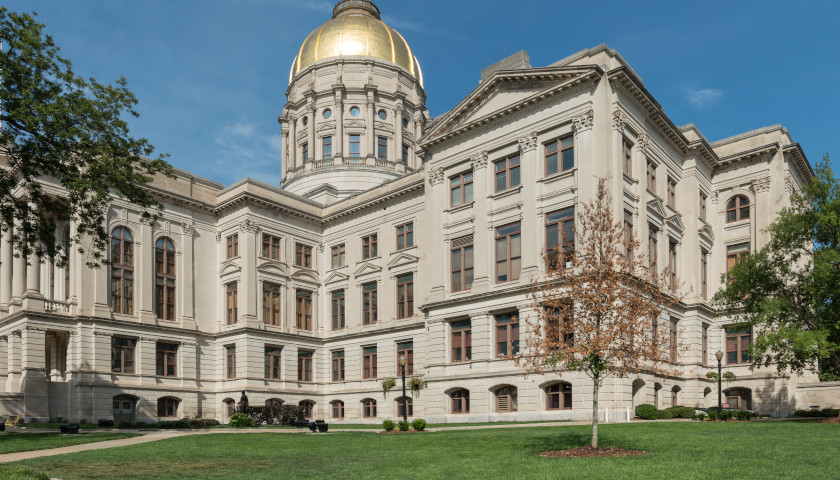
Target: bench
x: 105, y: 423
x: 70, y: 428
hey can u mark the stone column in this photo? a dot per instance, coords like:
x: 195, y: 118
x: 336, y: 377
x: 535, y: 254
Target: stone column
x: 33, y: 380
x: 338, y: 142
x: 4, y: 366
x: 528, y: 165
x: 369, y: 120
x: 418, y: 132
x: 398, y: 136
x: 438, y: 202
x: 13, y: 362
x: 291, y: 162
x: 144, y: 273
x: 6, y: 269
x: 310, y: 110
x: 18, y: 275
x: 482, y: 270
x: 248, y: 280
x: 187, y: 284
x: 32, y: 297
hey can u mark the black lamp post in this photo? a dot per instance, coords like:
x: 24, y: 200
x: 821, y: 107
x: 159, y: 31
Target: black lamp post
x: 719, y: 356
x: 405, y: 409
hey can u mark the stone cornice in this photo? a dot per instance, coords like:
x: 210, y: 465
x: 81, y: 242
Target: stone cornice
x: 752, y: 156
x: 795, y: 156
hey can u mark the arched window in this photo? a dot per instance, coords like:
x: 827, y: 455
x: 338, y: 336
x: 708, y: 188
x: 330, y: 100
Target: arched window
x: 674, y: 392
x: 460, y: 401
x: 409, y: 403
x: 230, y: 407
x: 165, y: 279
x: 737, y: 209
x: 307, y: 406
x: 558, y: 396
x: 273, y: 402
x: 638, y: 384
x: 122, y: 271
x: 656, y: 388
x: 739, y: 398
x: 369, y: 408
x: 168, y: 407
x: 506, y: 400
x: 337, y: 409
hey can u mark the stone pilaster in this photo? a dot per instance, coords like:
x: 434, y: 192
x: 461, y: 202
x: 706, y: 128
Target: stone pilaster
x: 187, y: 283
x: 248, y: 233
x: 529, y: 164
x: 144, y: 274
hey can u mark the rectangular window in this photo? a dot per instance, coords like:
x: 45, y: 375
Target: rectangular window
x: 405, y: 349
x: 305, y: 366
x: 704, y: 352
x: 627, y: 155
x: 369, y: 362
x: 461, y: 189
x: 405, y: 236
x: 628, y: 232
x: 338, y: 366
x: 232, y: 296
x: 461, y: 341
x: 326, y: 148
x: 166, y: 359
x: 303, y: 309
x: 702, y: 206
x: 271, y: 247
x: 559, y: 328
x: 507, y: 173
x: 232, y: 245
x: 230, y: 351
x: 305, y: 155
x: 736, y: 253
x: 303, y: 255
x: 122, y: 354
x: 369, y: 309
x: 674, y: 339
x: 507, y: 334
x: 652, y: 248
x: 405, y: 154
x: 462, y: 263
x: 405, y: 295
x: 672, y: 266
x: 337, y: 310
x: 559, y: 227
x: 560, y: 155
x: 273, y: 356
x: 337, y: 256
x: 382, y: 148
x: 370, y: 246
x: 271, y: 304
x: 704, y: 274
x: 738, y: 340
x: 508, y: 252
x: 651, y: 176
x: 355, y: 150
x: 672, y: 193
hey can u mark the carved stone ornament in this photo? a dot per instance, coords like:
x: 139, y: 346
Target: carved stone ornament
x: 436, y: 176
x: 619, y: 119
x: 188, y: 229
x: 790, y: 186
x: 479, y: 161
x: 643, y: 141
x: 761, y: 185
x: 528, y: 142
x: 715, y: 196
x: 584, y: 122
x: 249, y: 226
x: 218, y: 237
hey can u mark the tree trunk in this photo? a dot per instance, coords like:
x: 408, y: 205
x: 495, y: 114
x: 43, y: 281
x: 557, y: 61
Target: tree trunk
x: 595, y: 413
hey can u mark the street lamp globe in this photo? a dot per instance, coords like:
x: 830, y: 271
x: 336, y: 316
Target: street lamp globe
x: 402, y: 360
x: 719, y: 355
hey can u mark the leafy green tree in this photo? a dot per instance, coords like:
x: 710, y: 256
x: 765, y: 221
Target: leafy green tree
x: 60, y: 128
x: 789, y: 291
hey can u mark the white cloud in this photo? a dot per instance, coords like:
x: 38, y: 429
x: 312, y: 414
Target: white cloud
x: 245, y: 150
x: 702, y: 98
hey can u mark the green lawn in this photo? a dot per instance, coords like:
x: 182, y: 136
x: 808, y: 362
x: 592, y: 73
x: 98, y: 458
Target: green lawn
x: 689, y: 450
x: 378, y: 426
x: 22, y: 442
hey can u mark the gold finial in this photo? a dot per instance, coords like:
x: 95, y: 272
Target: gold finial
x: 356, y: 7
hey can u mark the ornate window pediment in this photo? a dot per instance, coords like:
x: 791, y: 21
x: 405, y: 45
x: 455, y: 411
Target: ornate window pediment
x: 305, y: 276
x: 402, y: 258
x: 366, y: 269
x: 675, y: 221
x: 656, y: 207
x: 229, y: 268
x: 273, y: 267
x: 336, y: 277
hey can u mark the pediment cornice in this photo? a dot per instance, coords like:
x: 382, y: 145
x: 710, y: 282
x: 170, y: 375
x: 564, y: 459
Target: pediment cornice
x: 656, y: 207
x: 402, y: 258
x: 336, y: 277
x: 367, y: 268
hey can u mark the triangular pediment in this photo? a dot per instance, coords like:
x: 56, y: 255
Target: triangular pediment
x: 367, y: 268
x: 656, y: 207
x: 306, y: 276
x: 273, y: 268
x: 384, y: 127
x: 336, y: 277
x: 506, y: 92
x: 402, y: 258
x: 326, y: 126
x: 675, y: 221
x: 354, y: 123
x: 229, y: 267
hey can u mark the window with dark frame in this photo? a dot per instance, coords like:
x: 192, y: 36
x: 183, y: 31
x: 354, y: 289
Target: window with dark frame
x: 462, y: 265
x: 338, y: 256
x: 560, y: 155
x: 355, y: 143
x: 167, y: 407
x: 738, y: 341
x: 369, y: 408
x: 704, y: 274
x: 506, y: 400
x: 651, y: 176
x: 122, y: 354
x: 461, y: 341
x: 460, y: 401
x: 461, y: 189
x: 370, y: 246
x: 672, y: 193
x: 405, y: 349
x: 507, y: 173
x: 674, y: 392
x: 338, y: 366
x: 405, y: 236
x: 232, y: 244
x: 558, y: 396
x: 305, y: 365
x: 674, y: 341
x: 122, y: 271
x: 405, y: 154
x: 409, y: 402
x: 273, y: 362
x: 337, y: 409
x: 326, y: 148
x: 656, y: 388
x: 507, y: 334
x: 232, y: 297
x: 230, y: 360
x: 303, y: 255
x: 736, y: 253
x: 303, y: 309
x: 381, y: 148
x: 508, y: 252
x: 305, y: 150
x: 627, y: 154
x: 672, y: 266
x: 307, y: 406
x: 271, y: 247
x: 628, y: 233
x: 165, y: 279
x: 405, y: 295
x: 705, y: 345
x: 652, y: 248
x: 703, y: 206
x: 166, y: 359
x: 559, y: 328
x: 559, y: 227
x: 740, y: 398
x: 369, y: 363
x: 337, y: 309
x: 737, y: 209
x: 271, y: 304
x: 369, y: 300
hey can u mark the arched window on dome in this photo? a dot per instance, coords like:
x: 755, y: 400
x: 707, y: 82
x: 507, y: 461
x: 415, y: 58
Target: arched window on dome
x: 122, y: 271
x: 737, y: 209
x: 165, y: 279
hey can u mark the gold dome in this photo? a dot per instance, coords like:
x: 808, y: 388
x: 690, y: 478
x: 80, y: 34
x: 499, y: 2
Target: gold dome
x: 356, y: 29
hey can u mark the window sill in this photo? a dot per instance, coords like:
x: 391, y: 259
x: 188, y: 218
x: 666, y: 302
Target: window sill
x: 505, y: 193
x: 736, y: 224
x: 463, y: 206
x: 557, y: 176
x: 629, y: 179
x: 404, y: 249
x: 368, y: 259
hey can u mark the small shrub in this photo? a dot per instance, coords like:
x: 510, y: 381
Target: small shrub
x: 418, y: 424
x: 389, y: 425
x: 240, y: 420
x: 830, y: 412
x: 701, y: 416
x: 743, y: 415
x: 726, y: 415
x: 682, y: 412
x: 404, y: 426
x: 171, y: 424
x: 203, y: 422
x: 646, y: 411
x: 664, y: 414
x: 713, y: 416
x: 33, y: 420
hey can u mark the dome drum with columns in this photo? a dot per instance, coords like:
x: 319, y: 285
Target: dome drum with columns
x: 356, y: 107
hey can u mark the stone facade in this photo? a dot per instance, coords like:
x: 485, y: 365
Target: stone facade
x: 67, y: 351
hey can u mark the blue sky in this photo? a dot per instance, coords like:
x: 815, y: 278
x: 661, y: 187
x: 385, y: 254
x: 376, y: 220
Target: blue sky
x: 211, y: 75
